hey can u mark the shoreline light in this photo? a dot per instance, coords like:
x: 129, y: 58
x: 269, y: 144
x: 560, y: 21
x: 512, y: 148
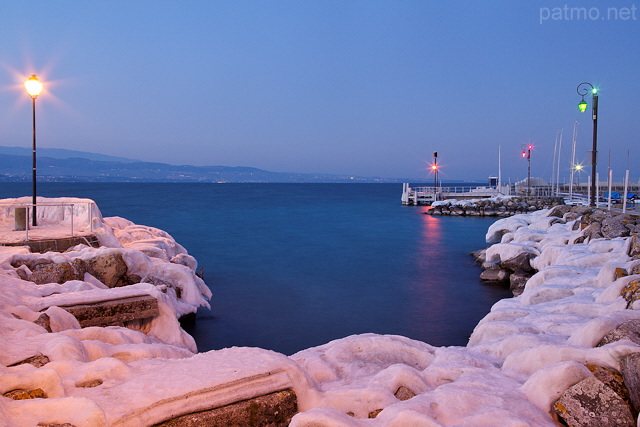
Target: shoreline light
x: 33, y: 86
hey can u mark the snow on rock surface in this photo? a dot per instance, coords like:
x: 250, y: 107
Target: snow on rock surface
x: 520, y: 358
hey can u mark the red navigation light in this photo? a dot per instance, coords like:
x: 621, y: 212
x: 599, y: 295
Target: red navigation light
x: 530, y: 147
x: 524, y: 154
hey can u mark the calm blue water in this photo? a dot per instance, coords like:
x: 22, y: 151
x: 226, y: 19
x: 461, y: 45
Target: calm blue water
x: 293, y: 266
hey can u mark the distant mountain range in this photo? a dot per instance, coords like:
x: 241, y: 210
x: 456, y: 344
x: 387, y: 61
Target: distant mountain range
x: 59, y: 165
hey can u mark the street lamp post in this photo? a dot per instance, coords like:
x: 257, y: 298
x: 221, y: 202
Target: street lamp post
x: 34, y: 87
x: 582, y: 90
x: 434, y: 168
x: 526, y: 153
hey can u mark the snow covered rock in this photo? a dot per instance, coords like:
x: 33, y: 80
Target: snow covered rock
x: 41, y: 271
x: 593, y: 231
x: 519, y: 262
x: 613, y: 227
x: 495, y: 275
x: 631, y: 374
x: 634, y: 247
x: 614, y: 380
x: 107, y: 267
x: 631, y: 292
x: 517, y: 281
x: 560, y: 211
x: 629, y: 330
x: 590, y: 403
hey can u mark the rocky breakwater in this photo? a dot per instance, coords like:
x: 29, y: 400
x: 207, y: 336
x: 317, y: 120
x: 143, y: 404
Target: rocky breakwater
x: 578, y: 313
x: 510, y: 259
x: 495, y: 206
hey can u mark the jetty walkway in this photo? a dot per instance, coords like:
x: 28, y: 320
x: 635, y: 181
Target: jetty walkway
x: 427, y: 195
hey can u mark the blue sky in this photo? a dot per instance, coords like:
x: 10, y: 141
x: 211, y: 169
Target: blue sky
x: 349, y: 87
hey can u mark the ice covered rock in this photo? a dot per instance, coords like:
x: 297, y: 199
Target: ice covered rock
x: 480, y: 255
x: 519, y: 262
x: 581, y: 210
x: 509, y: 252
x: 559, y: 211
x: 634, y: 246
x: 273, y: 409
x: 108, y: 267
x: 614, y: 380
x: 38, y: 361
x: 629, y: 330
x: 593, y: 231
x: 505, y: 225
x: 631, y: 292
x: 42, y: 270
x: 590, y: 403
x: 570, y: 216
x: 612, y: 227
x: 517, y: 281
x: 495, y: 275
x: 631, y: 374
x: 21, y: 394
x: 403, y: 393
x: 45, y: 321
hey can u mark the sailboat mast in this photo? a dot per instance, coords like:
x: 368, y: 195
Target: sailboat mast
x: 553, y: 165
x: 499, y: 167
x: 573, y: 158
x: 558, y: 167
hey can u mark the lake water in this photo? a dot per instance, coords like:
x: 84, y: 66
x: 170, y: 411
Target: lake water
x: 293, y: 266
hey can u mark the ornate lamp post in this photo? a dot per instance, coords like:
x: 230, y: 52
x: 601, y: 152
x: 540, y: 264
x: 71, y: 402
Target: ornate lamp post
x: 526, y: 153
x: 34, y: 87
x: 582, y: 90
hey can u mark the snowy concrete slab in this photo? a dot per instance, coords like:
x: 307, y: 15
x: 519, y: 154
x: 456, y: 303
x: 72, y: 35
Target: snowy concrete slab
x: 114, y: 312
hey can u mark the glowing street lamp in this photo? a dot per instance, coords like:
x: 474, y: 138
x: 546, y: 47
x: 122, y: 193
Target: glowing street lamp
x: 526, y: 153
x: 34, y: 87
x: 582, y: 105
x: 578, y: 168
x: 434, y: 168
x: 582, y: 90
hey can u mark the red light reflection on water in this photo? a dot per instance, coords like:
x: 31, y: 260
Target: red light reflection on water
x: 431, y: 230
x: 430, y: 247
x: 429, y: 290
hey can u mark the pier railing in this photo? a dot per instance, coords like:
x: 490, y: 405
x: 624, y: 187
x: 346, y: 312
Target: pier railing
x: 46, y: 213
x: 456, y: 190
x: 427, y: 195
x: 430, y: 194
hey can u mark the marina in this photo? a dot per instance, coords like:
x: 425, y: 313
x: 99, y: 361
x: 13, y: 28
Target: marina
x: 607, y: 194
x: 427, y: 195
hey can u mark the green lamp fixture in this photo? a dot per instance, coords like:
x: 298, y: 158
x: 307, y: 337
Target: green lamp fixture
x: 582, y: 105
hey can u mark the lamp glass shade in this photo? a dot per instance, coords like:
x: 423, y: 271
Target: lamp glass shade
x: 33, y: 86
x: 582, y: 106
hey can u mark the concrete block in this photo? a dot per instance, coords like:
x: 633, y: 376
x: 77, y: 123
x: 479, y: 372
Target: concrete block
x: 114, y: 312
x: 275, y: 409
